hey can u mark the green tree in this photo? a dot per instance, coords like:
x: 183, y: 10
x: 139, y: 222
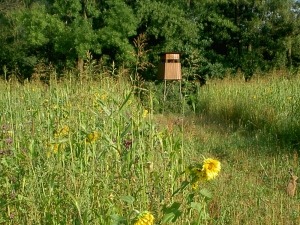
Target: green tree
x: 63, y: 32
x: 77, y: 35
x: 247, y: 34
x: 118, y: 26
x: 26, y: 33
x: 213, y: 36
x: 166, y: 25
x: 99, y: 27
x: 280, y: 31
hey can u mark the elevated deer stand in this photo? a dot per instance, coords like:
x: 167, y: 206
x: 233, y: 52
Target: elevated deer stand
x: 169, y: 69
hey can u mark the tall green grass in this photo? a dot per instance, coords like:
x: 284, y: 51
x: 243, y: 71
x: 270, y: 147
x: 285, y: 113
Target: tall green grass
x: 87, y: 153
x: 254, y: 130
x: 271, y: 106
x: 94, y: 153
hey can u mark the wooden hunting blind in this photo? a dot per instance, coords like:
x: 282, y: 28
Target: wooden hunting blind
x: 169, y: 66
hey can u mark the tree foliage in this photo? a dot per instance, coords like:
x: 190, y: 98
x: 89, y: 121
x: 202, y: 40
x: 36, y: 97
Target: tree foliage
x: 213, y: 36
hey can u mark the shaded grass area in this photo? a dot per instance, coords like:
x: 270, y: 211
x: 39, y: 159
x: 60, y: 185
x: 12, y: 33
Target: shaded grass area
x: 261, y: 106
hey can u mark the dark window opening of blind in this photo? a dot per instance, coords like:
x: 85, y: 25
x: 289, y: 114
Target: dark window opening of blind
x: 170, y: 61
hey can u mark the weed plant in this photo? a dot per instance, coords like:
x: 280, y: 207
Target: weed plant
x: 175, y: 97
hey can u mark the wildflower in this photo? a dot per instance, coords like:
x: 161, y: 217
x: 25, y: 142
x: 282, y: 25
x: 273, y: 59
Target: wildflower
x: 145, y: 113
x: 55, y: 148
x: 103, y: 97
x: 144, y: 218
x: 127, y: 143
x: 64, y: 131
x: 92, y: 137
x: 211, y: 168
x: 52, y: 149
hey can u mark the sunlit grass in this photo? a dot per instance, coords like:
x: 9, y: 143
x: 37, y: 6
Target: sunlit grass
x: 91, y: 153
x: 86, y: 154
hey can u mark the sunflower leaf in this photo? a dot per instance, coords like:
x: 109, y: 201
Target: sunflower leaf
x: 206, y: 193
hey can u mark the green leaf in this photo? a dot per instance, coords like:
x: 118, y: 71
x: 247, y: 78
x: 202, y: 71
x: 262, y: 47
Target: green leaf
x: 105, y: 109
x: 117, y: 219
x: 168, y: 217
x: 172, y: 213
x: 190, y: 197
x: 197, y: 206
x: 206, y: 193
x: 127, y: 198
x: 125, y: 101
x: 127, y: 128
x: 184, y: 184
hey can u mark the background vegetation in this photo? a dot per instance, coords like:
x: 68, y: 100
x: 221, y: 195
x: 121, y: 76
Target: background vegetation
x: 214, y: 37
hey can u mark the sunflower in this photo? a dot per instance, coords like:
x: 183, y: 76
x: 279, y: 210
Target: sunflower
x: 64, y: 131
x: 211, y: 168
x: 144, y: 218
x: 92, y: 137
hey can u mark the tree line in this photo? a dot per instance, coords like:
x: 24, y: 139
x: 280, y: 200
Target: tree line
x: 214, y: 36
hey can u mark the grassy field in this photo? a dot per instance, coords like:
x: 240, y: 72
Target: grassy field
x: 94, y: 153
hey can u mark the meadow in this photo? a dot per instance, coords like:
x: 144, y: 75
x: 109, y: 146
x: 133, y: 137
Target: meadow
x: 95, y: 152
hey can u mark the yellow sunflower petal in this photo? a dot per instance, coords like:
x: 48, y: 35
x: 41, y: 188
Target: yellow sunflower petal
x: 211, y: 168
